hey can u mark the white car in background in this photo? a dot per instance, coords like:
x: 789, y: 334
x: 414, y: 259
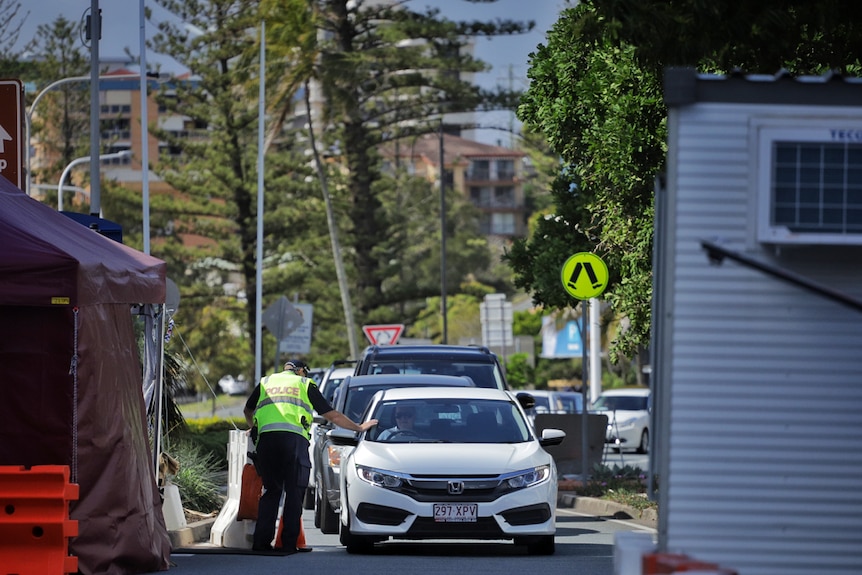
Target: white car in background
x: 471, y: 468
x: 554, y: 401
x: 234, y: 385
x: 628, y: 412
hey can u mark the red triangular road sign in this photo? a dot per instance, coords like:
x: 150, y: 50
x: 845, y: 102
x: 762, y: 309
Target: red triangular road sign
x: 383, y: 334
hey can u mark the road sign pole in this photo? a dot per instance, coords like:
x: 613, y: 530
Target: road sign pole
x: 585, y: 444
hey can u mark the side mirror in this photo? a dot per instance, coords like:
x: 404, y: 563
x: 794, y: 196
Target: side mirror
x: 526, y: 400
x: 340, y: 436
x: 552, y: 437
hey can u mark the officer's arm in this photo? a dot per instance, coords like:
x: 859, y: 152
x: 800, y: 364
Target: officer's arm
x: 342, y: 420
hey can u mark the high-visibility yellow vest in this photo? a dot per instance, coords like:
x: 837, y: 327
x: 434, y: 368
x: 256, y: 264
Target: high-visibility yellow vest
x: 284, y: 405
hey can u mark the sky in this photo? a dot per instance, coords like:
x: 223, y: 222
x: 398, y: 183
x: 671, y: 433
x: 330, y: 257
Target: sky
x: 508, y: 56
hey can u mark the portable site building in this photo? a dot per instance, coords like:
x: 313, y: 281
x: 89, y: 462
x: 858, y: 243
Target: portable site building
x: 757, y: 323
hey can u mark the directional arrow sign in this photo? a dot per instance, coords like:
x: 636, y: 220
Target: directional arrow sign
x: 11, y: 131
x: 383, y: 334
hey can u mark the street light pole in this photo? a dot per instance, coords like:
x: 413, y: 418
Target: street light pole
x: 84, y: 160
x: 95, y: 36
x: 443, y: 306
x: 28, y: 116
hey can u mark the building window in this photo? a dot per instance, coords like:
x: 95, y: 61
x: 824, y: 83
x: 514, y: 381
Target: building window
x: 817, y: 188
x: 505, y: 170
x: 504, y: 197
x: 480, y: 171
x: 810, y: 185
x: 481, y: 196
x: 499, y: 224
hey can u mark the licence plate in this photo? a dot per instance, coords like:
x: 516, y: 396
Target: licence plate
x: 456, y: 512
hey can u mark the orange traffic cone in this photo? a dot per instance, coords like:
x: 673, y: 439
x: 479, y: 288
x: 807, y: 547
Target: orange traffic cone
x: 300, y: 541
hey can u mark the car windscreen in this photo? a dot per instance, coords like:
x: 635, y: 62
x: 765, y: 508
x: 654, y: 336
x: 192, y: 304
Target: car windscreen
x: 449, y: 420
x: 621, y: 403
x: 570, y: 402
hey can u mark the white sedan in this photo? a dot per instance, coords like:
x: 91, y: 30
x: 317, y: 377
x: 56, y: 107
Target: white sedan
x: 469, y: 467
x: 628, y: 411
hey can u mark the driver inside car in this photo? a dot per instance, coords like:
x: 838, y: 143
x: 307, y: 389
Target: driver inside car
x: 405, y: 416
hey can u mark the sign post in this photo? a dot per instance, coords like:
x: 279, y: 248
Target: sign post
x: 11, y: 131
x: 584, y: 276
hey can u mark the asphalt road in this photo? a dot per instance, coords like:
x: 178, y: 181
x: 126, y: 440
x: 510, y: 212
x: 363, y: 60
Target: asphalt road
x: 585, y: 546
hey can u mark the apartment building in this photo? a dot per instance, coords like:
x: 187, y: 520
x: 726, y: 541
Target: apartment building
x: 491, y: 177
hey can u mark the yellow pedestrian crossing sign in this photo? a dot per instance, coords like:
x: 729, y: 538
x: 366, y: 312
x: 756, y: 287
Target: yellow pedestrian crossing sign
x: 584, y: 275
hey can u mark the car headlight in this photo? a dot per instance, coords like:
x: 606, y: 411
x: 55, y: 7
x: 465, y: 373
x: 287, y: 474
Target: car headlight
x: 626, y: 423
x: 333, y: 456
x: 529, y: 477
x: 378, y: 477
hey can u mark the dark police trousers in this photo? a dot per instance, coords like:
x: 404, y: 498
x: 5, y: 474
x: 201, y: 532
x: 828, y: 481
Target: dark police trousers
x: 284, y: 466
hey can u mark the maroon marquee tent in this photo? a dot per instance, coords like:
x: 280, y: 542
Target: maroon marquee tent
x: 70, y: 377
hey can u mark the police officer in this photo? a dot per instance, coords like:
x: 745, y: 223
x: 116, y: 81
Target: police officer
x: 280, y: 410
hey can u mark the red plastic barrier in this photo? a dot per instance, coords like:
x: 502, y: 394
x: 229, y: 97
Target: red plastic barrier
x: 664, y: 563
x: 34, y: 520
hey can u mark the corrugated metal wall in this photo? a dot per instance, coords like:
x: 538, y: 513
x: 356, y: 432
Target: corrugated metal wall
x: 759, y: 382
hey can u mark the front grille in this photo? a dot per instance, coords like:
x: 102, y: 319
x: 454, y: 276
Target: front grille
x: 529, y: 515
x: 480, y: 489
x: 380, y: 514
x: 427, y: 528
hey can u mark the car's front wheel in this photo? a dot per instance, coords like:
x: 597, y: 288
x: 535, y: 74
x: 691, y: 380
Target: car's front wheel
x: 540, y: 545
x: 328, y: 517
x: 643, y: 446
x: 355, y: 543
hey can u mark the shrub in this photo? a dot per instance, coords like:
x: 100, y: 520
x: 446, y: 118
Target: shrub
x: 625, y: 485
x: 211, y: 435
x: 198, y: 479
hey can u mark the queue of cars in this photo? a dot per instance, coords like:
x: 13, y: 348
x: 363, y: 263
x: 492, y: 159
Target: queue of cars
x: 388, y: 367
x: 472, y: 467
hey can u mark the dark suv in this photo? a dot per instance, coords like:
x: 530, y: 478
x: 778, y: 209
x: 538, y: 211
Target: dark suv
x: 477, y: 363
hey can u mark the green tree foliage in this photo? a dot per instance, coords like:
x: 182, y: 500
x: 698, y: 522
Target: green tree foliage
x: 519, y: 372
x: 207, y: 232
x: 802, y: 36
x: 596, y: 96
x: 11, y: 20
x: 604, y: 115
x: 61, y: 123
x: 386, y: 72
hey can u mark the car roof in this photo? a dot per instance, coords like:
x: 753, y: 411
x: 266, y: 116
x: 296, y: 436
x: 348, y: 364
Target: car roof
x: 424, y: 350
x: 405, y: 379
x: 400, y: 393
x: 339, y: 372
x: 630, y: 391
